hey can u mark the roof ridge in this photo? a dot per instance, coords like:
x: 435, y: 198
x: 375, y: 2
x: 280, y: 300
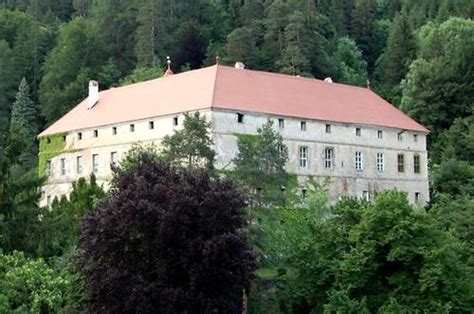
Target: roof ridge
x: 214, y: 87
x: 294, y: 77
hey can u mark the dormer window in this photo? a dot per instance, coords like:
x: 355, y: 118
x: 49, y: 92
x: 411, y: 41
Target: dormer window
x: 240, y: 118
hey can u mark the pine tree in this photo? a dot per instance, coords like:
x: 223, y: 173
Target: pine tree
x: 24, y: 120
x: 275, y: 22
x: 241, y: 46
x: 6, y: 84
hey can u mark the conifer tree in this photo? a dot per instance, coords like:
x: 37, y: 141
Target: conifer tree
x: 24, y: 120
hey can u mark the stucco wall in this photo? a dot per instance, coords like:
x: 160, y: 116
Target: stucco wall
x: 345, y: 180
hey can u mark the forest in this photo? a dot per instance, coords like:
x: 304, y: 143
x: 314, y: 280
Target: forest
x: 417, y: 54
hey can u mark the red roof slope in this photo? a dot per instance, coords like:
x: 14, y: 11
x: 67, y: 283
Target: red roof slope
x: 235, y: 89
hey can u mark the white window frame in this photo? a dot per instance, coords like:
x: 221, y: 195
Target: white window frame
x: 380, y: 162
x: 62, y: 165
x: 79, y: 165
x: 359, y: 161
x: 328, y: 157
x: 303, y: 154
x: 95, y: 163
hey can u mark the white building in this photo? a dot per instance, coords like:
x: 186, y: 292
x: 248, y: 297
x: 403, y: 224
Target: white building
x: 345, y: 133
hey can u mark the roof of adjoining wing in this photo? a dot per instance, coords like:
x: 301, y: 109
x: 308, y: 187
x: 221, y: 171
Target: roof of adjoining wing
x: 225, y: 87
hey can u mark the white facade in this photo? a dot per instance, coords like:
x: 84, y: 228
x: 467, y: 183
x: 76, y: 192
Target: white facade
x: 329, y: 148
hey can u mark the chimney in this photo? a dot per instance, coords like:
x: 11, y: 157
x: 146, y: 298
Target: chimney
x: 239, y: 65
x: 328, y: 80
x: 93, y: 94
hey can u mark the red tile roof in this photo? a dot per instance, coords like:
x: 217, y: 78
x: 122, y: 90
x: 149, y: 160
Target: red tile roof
x: 222, y: 87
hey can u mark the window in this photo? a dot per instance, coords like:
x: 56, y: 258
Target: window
x: 114, y: 130
x: 79, y: 165
x: 63, y: 166
x: 380, y: 162
x: 64, y: 138
x: 151, y: 125
x: 48, y: 200
x: 328, y: 157
x: 416, y: 163
x: 48, y: 140
x: 415, y: 137
x: 400, y: 136
x: 358, y: 132
x: 280, y: 150
x: 417, y: 197
x: 132, y: 127
x: 113, y: 159
x: 95, y: 163
x: 281, y: 123
x: 303, y: 157
x: 359, y: 165
x: 401, y: 163
x: 79, y: 136
x: 48, y: 167
x: 379, y: 134
x: 240, y: 118
x: 366, y: 195
x: 328, y: 128
x: 96, y: 133
x: 303, y: 193
x: 303, y: 125
x: 175, y: 121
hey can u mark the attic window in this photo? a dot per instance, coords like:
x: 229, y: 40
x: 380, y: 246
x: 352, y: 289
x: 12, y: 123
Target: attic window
x: 96, y: 133
x: 64, y: 138
x: 379, y: 134
x: 175, y: 121
x: 151, y: 125
x: 358, y: 132
x: 415, y: 137
x: 328, y: 128
x: 114, y: 130
x: 79, y: 136
x: 303, y: 125
x: 240, y: 118
x: 48, y: 140
x: 132, y: 127
x: 281, y: 123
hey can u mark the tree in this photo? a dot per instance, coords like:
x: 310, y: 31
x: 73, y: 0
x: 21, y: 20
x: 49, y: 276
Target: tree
x: 28, y: 285
x: 351, y: 67
x: 69, y: 67
x: 24, y: 119
x: 397, y: 57
x: 190, y: 146
x: 294, y: 56
x: 384, y: 257
x: 166, y: 239
x: 439, y: 86
x: 260, y: 162
x: 190, y: 47
x: 241, y: 46
x: 6, y: 73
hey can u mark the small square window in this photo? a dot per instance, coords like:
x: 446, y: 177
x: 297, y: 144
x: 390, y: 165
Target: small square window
x: 151, y: 125
x: 175, y: 121
x: 303, y: 125
x: 400, y: 136
x: 415, y: 137
x: 79, y: 136
x: 240, y: 118
x: 281, y: 123
x: 96, y: 133
x: 132, y: 127
x: 358, y: 131
x: 417, y: 197
x: 114, y: 130
x: 328, y: 128
x: 366, y: 195
x: 64, y: 138
x: 379, y: 134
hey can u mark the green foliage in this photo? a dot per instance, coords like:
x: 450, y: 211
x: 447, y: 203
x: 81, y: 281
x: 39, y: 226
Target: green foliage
x: 439, y: 85
x: 259, y: 164
x: 363, y: 257
x: 24, y: 121
x: 191, y: 145
x: 49, y: 147
x: 351, y: 67
x: 30, y: 286
x: 142, y: 74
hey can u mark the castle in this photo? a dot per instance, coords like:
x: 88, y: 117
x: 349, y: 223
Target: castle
x: 345, y: 133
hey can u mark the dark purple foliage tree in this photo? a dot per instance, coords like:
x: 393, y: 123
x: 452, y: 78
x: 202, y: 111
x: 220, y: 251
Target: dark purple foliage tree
x: 166, y: 240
